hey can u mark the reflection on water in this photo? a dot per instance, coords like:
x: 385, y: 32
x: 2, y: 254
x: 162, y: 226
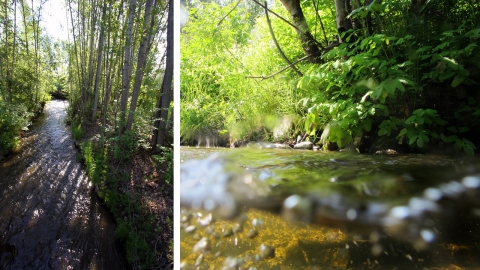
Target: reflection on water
x: 49, y: 219
x: 381, y: 211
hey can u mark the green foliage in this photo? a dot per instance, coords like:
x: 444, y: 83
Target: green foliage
x: 379, y: 80
x: 217, y: 98
x: 132, y: 228
x: 124, y: 146
x: 77, y: 131
x: 410, y: 75
x: 166, y: 157
x: 13, y: 119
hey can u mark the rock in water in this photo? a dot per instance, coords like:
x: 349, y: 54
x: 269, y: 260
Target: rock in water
x: 304, y: 146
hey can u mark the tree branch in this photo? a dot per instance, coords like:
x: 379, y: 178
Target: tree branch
x: 286, y: 21
x: 327, y: 49
x: 224, y: 17
x: 278, y: 46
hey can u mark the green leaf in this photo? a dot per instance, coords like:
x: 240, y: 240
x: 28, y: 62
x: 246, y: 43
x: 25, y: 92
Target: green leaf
x: 424, y: 138
x: 444, y: 139
x: 412, y: 139
x: 420, y: 120
x: 402, y: 132
x: 457, y: 80
x: 420, y: 142
x: 410, y: 120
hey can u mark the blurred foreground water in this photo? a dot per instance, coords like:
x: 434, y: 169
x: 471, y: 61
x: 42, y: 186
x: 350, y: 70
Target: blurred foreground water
x: 283, y: 209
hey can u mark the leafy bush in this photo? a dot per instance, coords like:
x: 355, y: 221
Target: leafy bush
x: 166, y: 157
x: 124, y: 146
x: 13, y: 119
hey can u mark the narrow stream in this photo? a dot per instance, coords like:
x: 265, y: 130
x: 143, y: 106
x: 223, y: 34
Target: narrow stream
x: 49, y: 217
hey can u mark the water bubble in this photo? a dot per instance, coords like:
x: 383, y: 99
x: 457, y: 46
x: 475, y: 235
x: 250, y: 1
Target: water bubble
x: 351, y: 214
x: 471, y: 181
x: 427, y: 235
x: 433, y: 194
x: 400, y: 212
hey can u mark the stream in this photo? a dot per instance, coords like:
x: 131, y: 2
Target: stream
x: 254, y: 208
x: 49, y: 216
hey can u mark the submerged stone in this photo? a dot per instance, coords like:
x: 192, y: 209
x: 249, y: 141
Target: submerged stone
x: 304, y: 146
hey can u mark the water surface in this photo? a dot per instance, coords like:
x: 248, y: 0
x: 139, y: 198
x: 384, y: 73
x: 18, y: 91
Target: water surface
x: 365, y: 211
x: 49, y: 217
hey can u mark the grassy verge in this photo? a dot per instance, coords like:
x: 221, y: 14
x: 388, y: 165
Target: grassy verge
x: 137, y: 188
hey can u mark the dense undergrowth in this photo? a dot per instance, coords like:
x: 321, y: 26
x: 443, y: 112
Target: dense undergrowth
x: 411, y: 76
x: 111, y: 170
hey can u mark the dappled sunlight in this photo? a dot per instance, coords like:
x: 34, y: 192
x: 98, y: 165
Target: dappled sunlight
x: 48, y: 212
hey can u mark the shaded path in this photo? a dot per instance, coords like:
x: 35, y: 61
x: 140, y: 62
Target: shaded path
x: 49, y: 219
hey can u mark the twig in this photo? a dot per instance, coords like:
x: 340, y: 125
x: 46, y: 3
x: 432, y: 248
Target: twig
x: 278, y: 72
x: 327, y: 49
x: 220, y: 22
x: 285, y: 20
x: 277, y: 45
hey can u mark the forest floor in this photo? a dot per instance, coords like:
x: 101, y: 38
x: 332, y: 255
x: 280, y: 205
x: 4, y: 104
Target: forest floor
x: 144, y: 180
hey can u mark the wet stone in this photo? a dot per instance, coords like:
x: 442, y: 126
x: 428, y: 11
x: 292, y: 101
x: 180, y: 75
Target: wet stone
x: 266, y: 251
x: 232, y: 263
x: 190, y: 229
x: 303, y: 146
x: 227, y: 232
x: 199, y: 260
x: 252, y: 233
x: 202, y: 246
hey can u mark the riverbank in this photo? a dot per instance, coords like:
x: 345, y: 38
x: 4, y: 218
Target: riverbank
x: 137, y: 188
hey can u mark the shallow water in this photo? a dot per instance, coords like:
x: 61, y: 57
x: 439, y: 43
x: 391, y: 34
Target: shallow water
x: 49, y: 217
x: 360, y: 211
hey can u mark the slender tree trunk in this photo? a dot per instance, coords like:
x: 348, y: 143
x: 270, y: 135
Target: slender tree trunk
x: 93, y: 21
x: 99, y: 61
x: 343, y: 24
x: 79, y: 70
x: 141, y: 61
x: 126, y: 66
x: 309, y: 44
x: 14, y: 37
x: 164, y: 98
x: 7, y: 70
x: 25, y: 26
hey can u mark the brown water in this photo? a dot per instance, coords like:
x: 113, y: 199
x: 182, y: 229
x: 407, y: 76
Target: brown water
x: 49, y: 216
x: 347, y: 211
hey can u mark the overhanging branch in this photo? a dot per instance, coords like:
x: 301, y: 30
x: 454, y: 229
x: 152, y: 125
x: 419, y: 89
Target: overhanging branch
x: 327, y: 49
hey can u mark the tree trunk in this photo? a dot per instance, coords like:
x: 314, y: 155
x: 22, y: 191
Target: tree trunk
x: 126, y: 66
x: 99, y: 61
x: 141, y: 61
x: 309, y: 44
x: 343, y: 24
x: 164, y: 98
